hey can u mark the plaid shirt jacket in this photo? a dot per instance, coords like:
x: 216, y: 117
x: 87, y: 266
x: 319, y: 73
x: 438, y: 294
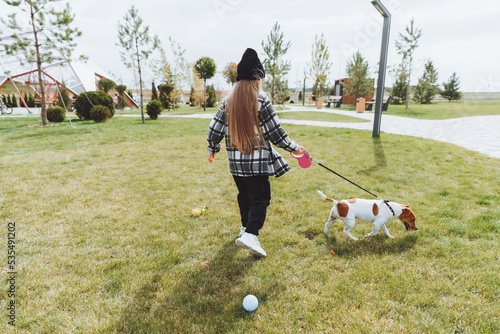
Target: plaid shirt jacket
x: 264, y: 162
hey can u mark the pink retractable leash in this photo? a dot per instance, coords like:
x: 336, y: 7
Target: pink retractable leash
x: 304, y: 159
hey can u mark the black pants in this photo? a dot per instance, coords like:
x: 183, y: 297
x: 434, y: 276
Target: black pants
x: 253, y: 198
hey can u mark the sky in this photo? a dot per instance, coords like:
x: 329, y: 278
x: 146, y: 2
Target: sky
x: 457, y: 35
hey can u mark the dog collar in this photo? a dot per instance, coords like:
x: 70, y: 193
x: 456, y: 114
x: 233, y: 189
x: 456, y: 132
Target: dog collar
x: 390, y: 208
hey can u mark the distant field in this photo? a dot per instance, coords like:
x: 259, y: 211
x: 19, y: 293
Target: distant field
x: 445, y: 109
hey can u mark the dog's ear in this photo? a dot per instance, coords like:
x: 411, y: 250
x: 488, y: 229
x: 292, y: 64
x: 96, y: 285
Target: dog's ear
x: 408, y: 213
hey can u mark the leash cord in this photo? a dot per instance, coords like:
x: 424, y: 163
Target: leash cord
x: 319, y: 163
x: 386, y: 202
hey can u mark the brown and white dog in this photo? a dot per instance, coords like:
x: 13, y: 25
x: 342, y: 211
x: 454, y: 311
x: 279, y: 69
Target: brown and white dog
x: 369, y: 211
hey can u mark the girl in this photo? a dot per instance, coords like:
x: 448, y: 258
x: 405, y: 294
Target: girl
x: 249, y: 123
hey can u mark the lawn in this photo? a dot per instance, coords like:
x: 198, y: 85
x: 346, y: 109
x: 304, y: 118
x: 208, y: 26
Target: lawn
x: 319, y: 116
x: 106, y: 242
x: 437, y: 110
x: 446, y: 110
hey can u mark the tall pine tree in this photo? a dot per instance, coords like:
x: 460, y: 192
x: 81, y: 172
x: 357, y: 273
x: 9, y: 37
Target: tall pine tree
x: 276, y: 68
x: 426, y: 87
x: 359, y: 85
x: 451, y: 89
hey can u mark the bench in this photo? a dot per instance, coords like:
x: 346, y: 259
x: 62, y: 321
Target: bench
x: 334, y: 99
x: 385, y: 105
x: 48, y: 101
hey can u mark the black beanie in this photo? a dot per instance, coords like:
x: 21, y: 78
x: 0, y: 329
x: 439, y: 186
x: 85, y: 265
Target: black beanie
x: 250, y: 67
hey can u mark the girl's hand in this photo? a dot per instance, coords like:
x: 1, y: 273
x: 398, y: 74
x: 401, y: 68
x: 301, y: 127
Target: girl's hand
x: 298, y: 152
x: 211, y: 157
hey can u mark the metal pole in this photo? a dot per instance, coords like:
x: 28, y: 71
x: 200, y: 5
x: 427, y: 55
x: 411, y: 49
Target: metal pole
x: 304, y: 92
x: 382, y: 67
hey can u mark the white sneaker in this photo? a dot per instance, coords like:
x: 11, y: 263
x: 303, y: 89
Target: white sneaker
x: 242, y: 230
x: 251, y: 243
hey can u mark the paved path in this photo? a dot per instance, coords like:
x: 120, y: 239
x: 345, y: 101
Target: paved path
x: 477, y: 133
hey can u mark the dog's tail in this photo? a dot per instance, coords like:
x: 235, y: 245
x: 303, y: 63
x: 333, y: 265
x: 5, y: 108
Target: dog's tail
x: 327, y: 198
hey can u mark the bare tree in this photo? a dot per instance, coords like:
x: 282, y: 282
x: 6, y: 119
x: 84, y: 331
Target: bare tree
x: 136, y: 43
x: 48, y: 38
x: 276, y: 68
x: 405, y: 46
x: 320, y: 64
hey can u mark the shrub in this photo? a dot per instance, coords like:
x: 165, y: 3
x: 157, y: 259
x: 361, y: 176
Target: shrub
x: 63, y: 98
x: 14, y: 102
x: 56, y: 114
x: 121, y: 96
x: 154, y: 108
x: 86, y: 101
x: 100, y: 114
x: 106, y: 84
x: 166, y: 95
x: 212, y: 99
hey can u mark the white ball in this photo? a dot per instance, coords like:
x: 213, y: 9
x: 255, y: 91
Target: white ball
x: 250, y: 303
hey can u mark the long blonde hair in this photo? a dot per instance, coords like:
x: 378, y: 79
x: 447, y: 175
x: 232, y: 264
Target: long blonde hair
x: 243, y: 116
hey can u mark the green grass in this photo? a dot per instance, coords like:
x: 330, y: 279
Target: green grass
x: 319, y: 116
x: 446, y: 110
x: 182, y: 109
x: 437, y: 110
x: 107, y: 244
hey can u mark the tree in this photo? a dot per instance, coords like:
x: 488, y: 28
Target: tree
x: 63, y: 98
x: 426, y: 87
x: 176, y: 72
x: 192, y: 97
x: 320, y: 64
x: 276, y: 68
x: 105, y: 85
x: 197, y: 90
x: 230, y: 73
x: 359, y: 85
x: 166, y: 95
x: 205, y: 68
x: 154, y: 93
x: 399, y: 88
x: 451, y: 89
x: 121, y: 96
x: 14, y: 101
x: 50, y: 38
x: 136, y: 43
x: 405, y: 46
x: 212, y: 99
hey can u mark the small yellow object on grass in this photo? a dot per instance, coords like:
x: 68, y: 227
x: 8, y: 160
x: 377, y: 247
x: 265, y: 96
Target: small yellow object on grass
x: 197, y: 212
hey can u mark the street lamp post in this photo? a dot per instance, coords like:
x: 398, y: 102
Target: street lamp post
x: 304, y: 90
x: 382, y: 66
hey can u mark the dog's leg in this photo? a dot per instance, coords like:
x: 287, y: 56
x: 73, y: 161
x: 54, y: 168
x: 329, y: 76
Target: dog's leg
x: 327, y: 225
x: 386, y: 231
x: 331, y: 219
x: 349, y: 224
x: 376, y: 227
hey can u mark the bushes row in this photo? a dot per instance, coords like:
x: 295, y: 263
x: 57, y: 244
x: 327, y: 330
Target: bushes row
x: 56, y: 114
x: 154, y: 108
x: 98, y: 114
x: 88, y: 100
